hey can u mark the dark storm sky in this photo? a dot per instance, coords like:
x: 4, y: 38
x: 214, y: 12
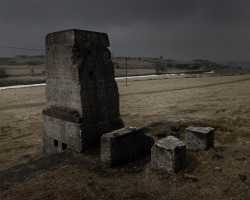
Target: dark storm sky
x: 182, y: 29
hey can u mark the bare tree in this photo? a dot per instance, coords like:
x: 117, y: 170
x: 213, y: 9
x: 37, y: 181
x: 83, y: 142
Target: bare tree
x: 3, y: 73
x: 159, y: 67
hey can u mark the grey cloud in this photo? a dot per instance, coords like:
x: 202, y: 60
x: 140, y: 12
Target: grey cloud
x: 175, y: 29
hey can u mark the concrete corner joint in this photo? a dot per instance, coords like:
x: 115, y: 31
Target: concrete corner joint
x: 168, y: 154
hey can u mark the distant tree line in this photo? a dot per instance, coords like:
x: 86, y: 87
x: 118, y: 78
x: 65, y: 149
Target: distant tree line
x: 188, y: 66
x: 3, y: 73
x: 9, y: 61
x: 24, y: 56
x: 159, y: 67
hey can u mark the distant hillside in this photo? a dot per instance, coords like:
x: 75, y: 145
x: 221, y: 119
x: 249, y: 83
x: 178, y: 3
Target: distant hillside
x: 23, y: 60
x: 243, y: 64
x: 31, y: 69
x: 176, y: 66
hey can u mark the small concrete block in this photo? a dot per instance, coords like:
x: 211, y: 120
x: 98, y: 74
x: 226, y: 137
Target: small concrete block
x: 168, y: 154
x: 124, y: 145
x: 199, y: 138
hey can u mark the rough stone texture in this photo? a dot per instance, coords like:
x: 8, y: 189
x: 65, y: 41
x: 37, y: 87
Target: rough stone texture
x: 124, y: 145
x: 63, y: 132
x: 168, y: 154
x: 81, y: 92
x: 199, y: 138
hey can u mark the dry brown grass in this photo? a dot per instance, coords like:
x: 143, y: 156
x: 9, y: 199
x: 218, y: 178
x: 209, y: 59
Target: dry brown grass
x: 23, y: 69
x: 147, y: 100
x: 220, y: 101
x: 75, y: 182
x: 20, y: 127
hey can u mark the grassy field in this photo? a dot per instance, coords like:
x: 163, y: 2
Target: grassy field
x: 218, y: 101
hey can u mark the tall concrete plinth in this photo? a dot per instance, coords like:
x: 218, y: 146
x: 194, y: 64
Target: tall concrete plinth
x: 81, y: 92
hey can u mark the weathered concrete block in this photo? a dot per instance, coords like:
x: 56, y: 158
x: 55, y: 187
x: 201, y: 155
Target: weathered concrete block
x: 168, y: 154
x: 52, y: 145
x: 80, y: 86
x: 199, y: 138
x: 63, y: 131
x: 124, y: 145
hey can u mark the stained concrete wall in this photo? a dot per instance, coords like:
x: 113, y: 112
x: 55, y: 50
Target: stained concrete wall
x: 124, y: 145
x: 80, y: 79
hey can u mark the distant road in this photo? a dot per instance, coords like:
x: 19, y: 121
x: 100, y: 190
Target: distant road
x: 21, y: 86
x: 117, y: 78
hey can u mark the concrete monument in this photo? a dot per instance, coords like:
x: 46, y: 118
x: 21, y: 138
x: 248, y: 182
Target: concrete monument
x: 81, y: 93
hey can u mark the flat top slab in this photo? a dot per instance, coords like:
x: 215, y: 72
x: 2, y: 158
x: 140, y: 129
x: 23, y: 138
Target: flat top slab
x: 72, y: 36
x: 169, y: 142
x: 200, y: 129
x: 122, y: 131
